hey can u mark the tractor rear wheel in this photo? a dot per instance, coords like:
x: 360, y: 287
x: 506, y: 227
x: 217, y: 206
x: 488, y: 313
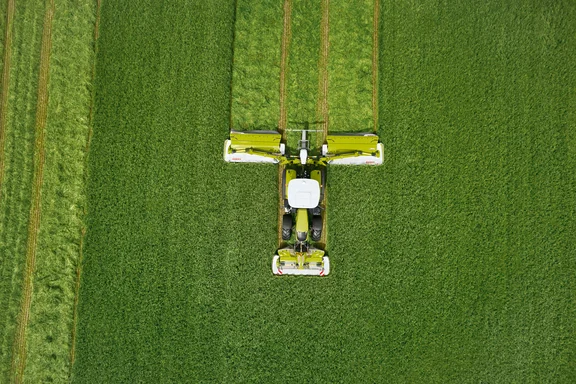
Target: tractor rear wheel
x: 286, y: 227
x: 316, y: 228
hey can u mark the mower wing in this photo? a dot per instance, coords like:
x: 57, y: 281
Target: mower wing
x: 254, y: 147
x: 353, y: 149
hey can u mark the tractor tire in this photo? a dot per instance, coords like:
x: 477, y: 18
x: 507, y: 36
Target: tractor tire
x: 286, y: 227
x: 316, y: 228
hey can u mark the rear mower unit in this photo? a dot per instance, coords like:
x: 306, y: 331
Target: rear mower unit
x: 303, y: 187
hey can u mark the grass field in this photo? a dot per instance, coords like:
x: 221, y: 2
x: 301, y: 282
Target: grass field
x: 453, y: 262
x: 42, y: 197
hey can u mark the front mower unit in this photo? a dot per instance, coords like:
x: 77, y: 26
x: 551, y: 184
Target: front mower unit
x: 303, y: 188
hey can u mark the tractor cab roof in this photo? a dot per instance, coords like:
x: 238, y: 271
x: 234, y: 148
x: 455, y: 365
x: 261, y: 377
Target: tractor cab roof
x: 303, y: 193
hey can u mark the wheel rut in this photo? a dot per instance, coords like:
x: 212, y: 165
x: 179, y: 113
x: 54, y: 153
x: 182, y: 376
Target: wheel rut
x: 323, y: 100
x: 375, y: 29
x: 282, y: 122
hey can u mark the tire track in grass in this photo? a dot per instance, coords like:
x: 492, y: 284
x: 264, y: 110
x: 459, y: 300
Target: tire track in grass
x: 83, y: 229
x: 286, y: 34
x: 282, y: 122
x: 5, y: 85
x: 19, y: 347
x: 375, y: 42
x: 323, y: 69
x: 323, y: 99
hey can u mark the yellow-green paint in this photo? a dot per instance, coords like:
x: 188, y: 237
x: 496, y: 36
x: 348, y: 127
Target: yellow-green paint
x: 259, y: 141
x: 339, y: 144
x: 302, y: 220
x: 290, y: 175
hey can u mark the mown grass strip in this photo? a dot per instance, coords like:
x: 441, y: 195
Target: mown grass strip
x: 375, y: 66
x: 323, y: 107
x: 350, y: 66
x: 286, y: 37
x: 322, y: 112
x: 283, y: 120
x: 5, y: 83
x: 19, y: 356
x: 257, y: 61
x: 302, y: 73
x: 18, y: 167
x: 63, y: 201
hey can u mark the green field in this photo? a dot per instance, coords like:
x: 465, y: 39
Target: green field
x: 454, y: 262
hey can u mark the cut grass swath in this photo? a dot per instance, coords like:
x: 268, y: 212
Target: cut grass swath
x: 18, y: 362
x: 6, y: 25
x: 18, y: 165
x: 256, y: 73
x: 350, y: 66
x: 302, y: 68
x: 63, y: 193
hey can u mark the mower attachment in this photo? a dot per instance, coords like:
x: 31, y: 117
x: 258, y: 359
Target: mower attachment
x: 353, y: 149
x: 311, y: 263
x: 253, y: 147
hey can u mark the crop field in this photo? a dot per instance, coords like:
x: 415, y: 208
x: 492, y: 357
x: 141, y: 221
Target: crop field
x: 455, y: 261
x: 44, y: 106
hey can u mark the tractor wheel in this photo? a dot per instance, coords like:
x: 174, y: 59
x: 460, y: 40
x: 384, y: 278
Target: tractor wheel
x: 316, y: 228
x: 286, y: 227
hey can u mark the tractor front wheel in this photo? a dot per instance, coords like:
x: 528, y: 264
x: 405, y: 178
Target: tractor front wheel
x: 316, y: 228
x: 286, y: 227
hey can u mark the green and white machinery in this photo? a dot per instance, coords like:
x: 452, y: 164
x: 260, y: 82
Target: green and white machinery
x: 303, y: 186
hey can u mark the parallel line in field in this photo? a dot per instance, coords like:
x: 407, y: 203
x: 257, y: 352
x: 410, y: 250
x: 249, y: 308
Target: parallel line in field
x: 281, y: 169
x: 282, y: 122
x: 83, y: 229
x: 19, y: 348
x: 286, y: 35
x: 375, y: 42
x: 323, y: 67
x: 323, y: 97
x: 5, y: 85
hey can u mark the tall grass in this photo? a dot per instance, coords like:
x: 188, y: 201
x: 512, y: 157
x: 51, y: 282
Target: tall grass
x: 17, y: 185
x: 452, y: 262
x: 471, y: 265
x: 155, y: 248
x: 255, y: 82
x: 350, y: 66
x: 63, y: 193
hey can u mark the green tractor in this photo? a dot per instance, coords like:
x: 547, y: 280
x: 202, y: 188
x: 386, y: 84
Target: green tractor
x: 303, y: 187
